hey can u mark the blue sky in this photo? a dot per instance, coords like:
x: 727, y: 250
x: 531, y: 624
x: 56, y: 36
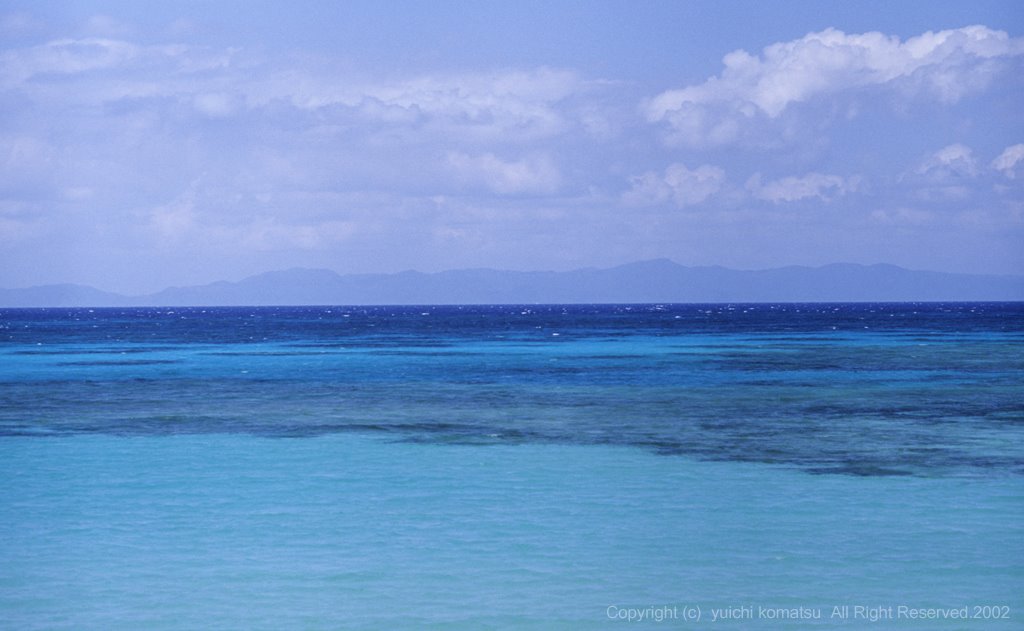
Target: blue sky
x: 154, y: 144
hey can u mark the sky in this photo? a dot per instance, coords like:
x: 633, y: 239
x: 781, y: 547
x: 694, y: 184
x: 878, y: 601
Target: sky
x: 146, y: 145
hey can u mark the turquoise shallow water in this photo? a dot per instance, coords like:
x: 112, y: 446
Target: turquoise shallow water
x: 354, y: 531
x: 511, y: 467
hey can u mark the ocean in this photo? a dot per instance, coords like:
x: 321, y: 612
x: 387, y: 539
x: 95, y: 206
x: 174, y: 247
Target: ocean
x: 524, y: 467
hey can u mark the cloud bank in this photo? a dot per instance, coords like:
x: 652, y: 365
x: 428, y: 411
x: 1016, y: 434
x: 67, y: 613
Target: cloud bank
x: 116, y: 148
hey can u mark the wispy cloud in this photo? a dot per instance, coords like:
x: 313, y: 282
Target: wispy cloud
x: 812, y: 185
x: 509, y: 106
x: 1006, y: 162
x: 956, y: 160
x: 535, y: 174
x: 676, y: 184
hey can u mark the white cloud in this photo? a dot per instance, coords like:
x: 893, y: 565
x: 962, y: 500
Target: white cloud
x: 678, y: 184
x: 170, y: 112
x: 790, y: 189
x: 948, y: 175
x: 64, y: 57
x: 512, y: 106
x: 516, y: 106
x: 509, y: 106
x: 1007, y: 161
x: 535, y: 174
x: 952, y: 161
x: 947, y: 65
x: 902, y: 216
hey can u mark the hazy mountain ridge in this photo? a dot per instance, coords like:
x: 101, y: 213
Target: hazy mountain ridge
x: 658, y: 280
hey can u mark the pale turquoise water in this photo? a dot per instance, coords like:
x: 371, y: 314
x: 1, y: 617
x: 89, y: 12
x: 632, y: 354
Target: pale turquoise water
x: 352, y: 531
x: 500, y: 467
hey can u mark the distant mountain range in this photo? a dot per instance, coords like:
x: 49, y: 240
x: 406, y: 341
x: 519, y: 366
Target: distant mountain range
x: 659, y: 280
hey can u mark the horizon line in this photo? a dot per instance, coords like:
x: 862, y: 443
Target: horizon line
x: 505, y: 270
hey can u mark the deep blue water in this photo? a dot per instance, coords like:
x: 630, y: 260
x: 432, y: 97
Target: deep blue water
x: 509, y: 467
x: 862, y: 389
